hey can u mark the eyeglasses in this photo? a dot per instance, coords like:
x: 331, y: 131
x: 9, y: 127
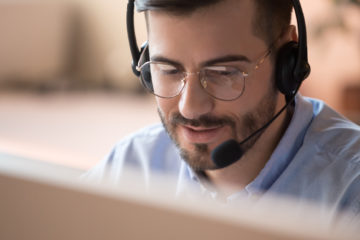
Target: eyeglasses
x: 225, y: 83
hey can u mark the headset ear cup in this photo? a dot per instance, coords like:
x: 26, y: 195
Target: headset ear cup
x: 142, y: 58
x: 146, y: 79
x: 286, y: 59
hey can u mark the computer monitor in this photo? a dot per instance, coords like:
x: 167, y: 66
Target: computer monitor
x: 45, y: 201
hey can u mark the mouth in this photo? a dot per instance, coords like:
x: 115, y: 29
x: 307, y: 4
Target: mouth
x: 200, y: 135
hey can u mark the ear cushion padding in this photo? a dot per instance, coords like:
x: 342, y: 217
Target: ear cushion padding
x: 285, y: 68
x: 147, y: 81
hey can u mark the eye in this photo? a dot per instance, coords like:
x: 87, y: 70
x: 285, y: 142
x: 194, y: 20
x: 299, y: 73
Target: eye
x: 222, y: 71
x: 166, y: 69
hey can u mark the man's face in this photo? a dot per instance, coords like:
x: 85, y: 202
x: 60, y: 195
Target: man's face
x: 197, y: 122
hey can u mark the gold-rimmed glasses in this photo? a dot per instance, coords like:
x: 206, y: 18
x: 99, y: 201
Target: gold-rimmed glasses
x: 222, y: 82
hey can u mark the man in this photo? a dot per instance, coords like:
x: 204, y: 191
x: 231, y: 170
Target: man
x: 212, y: 68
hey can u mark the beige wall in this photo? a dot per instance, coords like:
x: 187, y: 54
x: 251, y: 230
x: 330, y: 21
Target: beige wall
x: 34, y: 39
x: 82, y: 40
x: 334, y: 57
x: 104, y: 51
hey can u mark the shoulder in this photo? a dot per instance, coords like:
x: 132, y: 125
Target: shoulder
x: 153, y: 134
x: 148, y: 150
x: 331, y: 132
x: 327, y: 165
x: 145, y: 146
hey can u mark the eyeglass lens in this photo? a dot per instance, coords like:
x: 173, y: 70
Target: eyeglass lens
x: 165, y: 80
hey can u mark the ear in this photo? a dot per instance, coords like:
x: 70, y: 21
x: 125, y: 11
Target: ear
x: 290, y: 34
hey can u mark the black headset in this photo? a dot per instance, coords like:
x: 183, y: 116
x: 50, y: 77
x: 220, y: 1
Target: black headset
x: 292, y: 66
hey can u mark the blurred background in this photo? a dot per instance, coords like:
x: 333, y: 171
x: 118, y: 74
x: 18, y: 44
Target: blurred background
x: 67, y: 93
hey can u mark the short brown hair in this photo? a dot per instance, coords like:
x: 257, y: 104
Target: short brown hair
x: 270, y: 20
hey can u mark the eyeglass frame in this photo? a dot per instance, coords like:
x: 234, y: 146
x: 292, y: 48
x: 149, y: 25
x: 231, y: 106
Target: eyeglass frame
x: 258, y: 62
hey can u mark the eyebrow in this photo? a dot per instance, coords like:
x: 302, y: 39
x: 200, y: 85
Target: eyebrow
x: 222, y: 59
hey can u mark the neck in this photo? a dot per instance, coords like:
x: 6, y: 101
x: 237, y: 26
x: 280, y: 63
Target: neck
x: 238, y: 175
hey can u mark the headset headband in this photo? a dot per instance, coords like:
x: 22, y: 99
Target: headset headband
x: 135, y: 52
x: 302, y: 67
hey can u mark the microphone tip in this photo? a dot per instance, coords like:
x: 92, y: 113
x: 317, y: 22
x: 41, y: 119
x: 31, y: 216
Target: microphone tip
x: 226, y: 153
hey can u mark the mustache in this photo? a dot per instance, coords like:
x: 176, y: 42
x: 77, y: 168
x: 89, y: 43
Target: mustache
x: 203, y: 121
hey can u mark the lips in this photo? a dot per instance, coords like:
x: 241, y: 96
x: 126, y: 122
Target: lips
x: 199, y: 135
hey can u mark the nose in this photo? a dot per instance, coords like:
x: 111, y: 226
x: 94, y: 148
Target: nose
x: 194, y: 101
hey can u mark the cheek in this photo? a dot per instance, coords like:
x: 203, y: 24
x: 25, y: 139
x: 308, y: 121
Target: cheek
x: 258, y: 85
x: 166, y: 106
x: 266, y: 75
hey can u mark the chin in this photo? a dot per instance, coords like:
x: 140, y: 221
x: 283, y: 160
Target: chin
x: 197, y: 156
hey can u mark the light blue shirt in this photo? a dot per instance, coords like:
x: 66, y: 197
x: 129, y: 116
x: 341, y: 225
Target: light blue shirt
x: 317, y: 159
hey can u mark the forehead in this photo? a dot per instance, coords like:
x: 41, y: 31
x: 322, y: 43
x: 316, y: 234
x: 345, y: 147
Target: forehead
x: 221, y: 29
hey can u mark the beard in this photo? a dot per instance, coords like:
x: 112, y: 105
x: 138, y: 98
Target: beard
x: 199, y: 156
